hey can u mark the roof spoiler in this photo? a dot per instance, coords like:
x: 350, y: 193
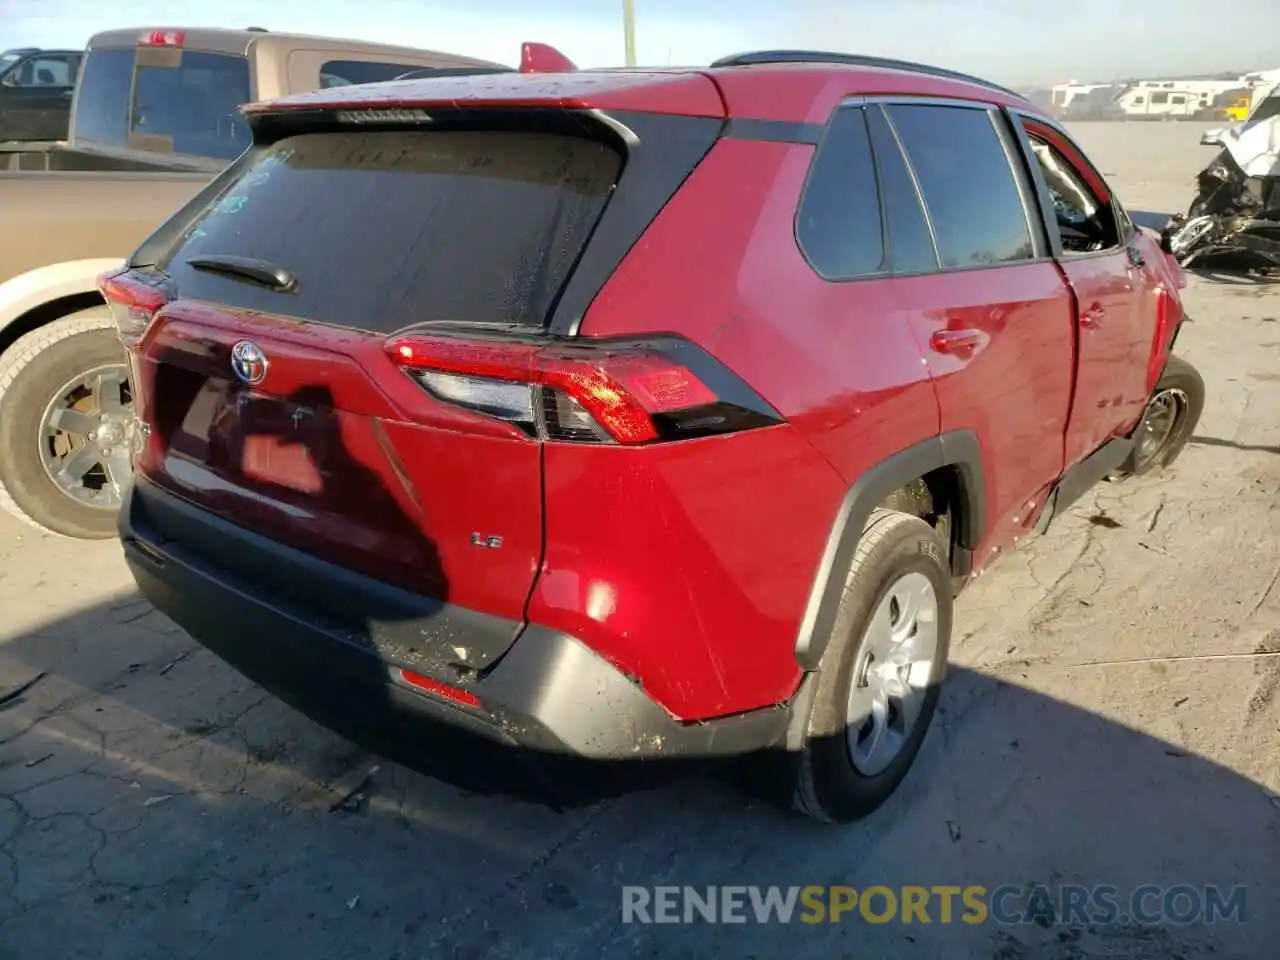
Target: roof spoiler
x: 544, y: 58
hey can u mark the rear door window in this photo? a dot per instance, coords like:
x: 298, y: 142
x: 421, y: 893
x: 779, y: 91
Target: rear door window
x: 911, y: 247
x: 969, y: 187
x: 386, y: 229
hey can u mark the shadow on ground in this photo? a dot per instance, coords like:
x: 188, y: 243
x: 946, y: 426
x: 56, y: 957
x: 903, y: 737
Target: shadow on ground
x: 153, y: 803
x: 1219, y: 442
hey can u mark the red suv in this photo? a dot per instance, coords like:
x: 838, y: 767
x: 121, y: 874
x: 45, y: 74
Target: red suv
x: 621, y: 417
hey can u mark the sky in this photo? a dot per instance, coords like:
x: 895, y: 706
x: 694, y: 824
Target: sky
x: 1016, y: 42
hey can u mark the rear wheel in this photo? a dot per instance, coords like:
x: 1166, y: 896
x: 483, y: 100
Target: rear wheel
x: 881, y: 676
x: 66, y: 416
x: 1168, y: 421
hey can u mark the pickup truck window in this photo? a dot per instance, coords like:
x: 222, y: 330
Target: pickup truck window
x: 102, y: 109
x: 197, y: 104
x: 194, y: 104
x: 340, y: 73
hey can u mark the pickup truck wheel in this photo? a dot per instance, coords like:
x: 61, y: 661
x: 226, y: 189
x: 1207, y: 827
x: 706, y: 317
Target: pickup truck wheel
x: 1168, y: 421
x: 65, y: 426
x: 881, y: 675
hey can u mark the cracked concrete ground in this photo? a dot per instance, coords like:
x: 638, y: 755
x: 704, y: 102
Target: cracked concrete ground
x: 1112, y: 719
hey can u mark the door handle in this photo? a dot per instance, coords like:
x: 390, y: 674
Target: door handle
x: 1092, y: 317
x: 956, y: 341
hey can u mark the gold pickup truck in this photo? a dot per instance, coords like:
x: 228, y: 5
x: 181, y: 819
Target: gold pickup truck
x: 154, y: 117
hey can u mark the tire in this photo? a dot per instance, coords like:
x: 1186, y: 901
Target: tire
x: 1182, y: 385
x: 898, y: 554
x: 38, y: 369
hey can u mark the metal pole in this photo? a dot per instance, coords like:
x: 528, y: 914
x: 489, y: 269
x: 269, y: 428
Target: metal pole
x: 629, y: 30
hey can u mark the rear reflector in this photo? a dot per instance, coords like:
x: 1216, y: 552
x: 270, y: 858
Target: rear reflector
x: 133, y: 302
x: 587, y: 391
x: 442, y: 690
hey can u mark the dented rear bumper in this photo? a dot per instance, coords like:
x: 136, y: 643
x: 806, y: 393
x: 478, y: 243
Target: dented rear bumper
x: 541, y: 712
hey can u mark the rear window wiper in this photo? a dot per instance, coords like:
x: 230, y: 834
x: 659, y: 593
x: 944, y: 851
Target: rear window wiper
x: 246, y: 268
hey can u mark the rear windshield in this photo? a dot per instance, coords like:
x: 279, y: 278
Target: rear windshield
x: 386, y: 229
x: 191, y: 107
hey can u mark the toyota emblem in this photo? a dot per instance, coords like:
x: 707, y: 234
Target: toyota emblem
x: 249, y: 362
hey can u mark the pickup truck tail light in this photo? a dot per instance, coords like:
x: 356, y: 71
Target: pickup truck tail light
x: 163, y: 38
x: 584, y: 391
x: 133, y: 301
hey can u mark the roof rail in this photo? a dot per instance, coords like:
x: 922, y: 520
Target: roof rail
x: 758, y: 57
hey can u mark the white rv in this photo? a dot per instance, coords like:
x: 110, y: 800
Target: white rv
x: 1147, y: 101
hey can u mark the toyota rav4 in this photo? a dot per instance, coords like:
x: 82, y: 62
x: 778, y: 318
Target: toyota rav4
x: 615, y: 417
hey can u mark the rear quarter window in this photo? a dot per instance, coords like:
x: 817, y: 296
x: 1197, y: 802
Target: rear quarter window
x: 387, y: 229
x: 838, y: 224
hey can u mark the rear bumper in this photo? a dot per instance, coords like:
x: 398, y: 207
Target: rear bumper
x: 547, y: 706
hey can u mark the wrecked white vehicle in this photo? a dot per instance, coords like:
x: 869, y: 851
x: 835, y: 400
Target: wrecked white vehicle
x: 1266, y: 104
x: 1234, y: 221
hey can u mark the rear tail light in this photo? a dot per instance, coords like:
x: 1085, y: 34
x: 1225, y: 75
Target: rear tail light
x: 133, y: 300
x: 587, y: 391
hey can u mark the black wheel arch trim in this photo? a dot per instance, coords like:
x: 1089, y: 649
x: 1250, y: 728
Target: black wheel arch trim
x: 957, y: 449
